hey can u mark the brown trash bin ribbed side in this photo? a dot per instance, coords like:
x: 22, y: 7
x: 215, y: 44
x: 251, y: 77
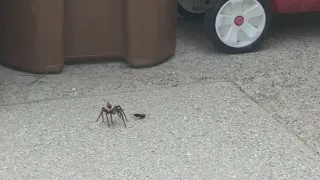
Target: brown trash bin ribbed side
x: 44, y: 35
x: 151, y: 27
x: 33, y: 35
x: 94, y: 29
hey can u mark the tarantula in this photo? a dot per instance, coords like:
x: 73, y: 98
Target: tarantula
x: 112, y: 111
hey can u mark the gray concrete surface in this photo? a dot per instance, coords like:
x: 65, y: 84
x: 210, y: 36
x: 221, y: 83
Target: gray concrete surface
x: 282, y: 78
x: 200, y: 131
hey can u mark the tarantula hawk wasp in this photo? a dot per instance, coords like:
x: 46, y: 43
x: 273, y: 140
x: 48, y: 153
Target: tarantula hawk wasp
x: 112, y: 111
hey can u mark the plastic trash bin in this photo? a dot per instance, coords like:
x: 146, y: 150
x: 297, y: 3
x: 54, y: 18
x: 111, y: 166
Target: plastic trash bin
x: 141, y: 31
x: 32, y: 32
x: 151, y: 29
x: 41, y: 36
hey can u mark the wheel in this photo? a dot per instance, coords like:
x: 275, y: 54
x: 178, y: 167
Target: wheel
x: 186, y: 10
x: 237, y: 26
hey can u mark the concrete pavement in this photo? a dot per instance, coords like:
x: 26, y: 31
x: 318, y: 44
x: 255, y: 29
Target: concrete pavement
x: 200, y: 131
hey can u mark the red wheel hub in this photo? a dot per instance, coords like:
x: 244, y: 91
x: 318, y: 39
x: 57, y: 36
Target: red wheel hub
x: 239, y: 20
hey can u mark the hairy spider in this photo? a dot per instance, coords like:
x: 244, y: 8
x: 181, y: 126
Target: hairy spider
x: 112, y: 111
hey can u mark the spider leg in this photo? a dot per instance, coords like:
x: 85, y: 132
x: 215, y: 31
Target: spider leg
x: 123, y: 120
x: 107, y: 119
x: 111, y: 118
x: 102, y: 111
x: 122, y: 111
x: 119, y: 114
x: 102, y: 118
x: 101, y: 114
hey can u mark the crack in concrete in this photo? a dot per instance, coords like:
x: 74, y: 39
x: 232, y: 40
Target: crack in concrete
x: 273, y: 116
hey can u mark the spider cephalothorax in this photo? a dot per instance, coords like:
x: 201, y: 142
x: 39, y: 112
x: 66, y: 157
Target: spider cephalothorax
x: 112, y: 111
x: 109, y: 106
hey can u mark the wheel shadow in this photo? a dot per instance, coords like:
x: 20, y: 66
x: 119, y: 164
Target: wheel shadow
x: 295, y: 21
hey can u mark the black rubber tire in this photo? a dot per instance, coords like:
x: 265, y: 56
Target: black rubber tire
x: 189, y: 15
x: 210, y: 30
